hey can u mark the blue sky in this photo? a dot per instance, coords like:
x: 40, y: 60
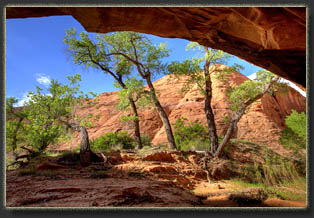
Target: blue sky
x: 35, y: 54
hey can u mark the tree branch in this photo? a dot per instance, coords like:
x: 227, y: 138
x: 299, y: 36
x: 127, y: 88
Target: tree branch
x: 27, y: 149
x: 238, y: 116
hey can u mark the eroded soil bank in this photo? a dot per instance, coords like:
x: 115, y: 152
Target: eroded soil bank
x: 127, y: 180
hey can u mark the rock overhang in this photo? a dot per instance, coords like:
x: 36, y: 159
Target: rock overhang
x: 273, y: 38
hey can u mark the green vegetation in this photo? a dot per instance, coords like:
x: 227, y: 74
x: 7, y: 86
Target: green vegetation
x: 119, y: 54
x: 116, y: 141
x: 190, y: 136
x: 147, y: 141
x: 294, y: 135
x: 294, y: 190
x: 102, y: 55
x: 263, y: 165
x: 45, y: 119
x: 138, y: 51
x: 241, y: 97
x: 297, y: 123
x: 113, y: 141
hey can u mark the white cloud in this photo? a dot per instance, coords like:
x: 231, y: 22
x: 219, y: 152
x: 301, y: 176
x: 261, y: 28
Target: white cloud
x: 43, y: 79
x: 292, y: 85
x: 252, y: 76
x: 23, y: 101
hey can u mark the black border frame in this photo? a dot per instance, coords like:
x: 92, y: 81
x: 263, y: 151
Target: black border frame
x: 121, y: 212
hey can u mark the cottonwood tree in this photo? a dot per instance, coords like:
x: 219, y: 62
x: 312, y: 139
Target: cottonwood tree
x: 118, y: 54
x: 147, y: 58
x: 15, y: 126
x: 45, y: 118
x: 134, y: 89
x: 100, y: 54
x: 241, y: 97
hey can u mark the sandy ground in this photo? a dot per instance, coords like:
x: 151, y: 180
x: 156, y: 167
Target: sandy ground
x: 130, y: 182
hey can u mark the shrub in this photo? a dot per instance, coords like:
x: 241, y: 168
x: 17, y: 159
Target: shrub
x: 273, y: 171
x: 297, y: 123
x: 113, y: 141
x: 290, y: 140
x: 293, y: 137
x: 146, y: 140
x: 191, y: 136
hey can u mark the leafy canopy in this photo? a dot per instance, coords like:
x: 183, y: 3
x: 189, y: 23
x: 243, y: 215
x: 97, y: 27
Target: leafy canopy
x: 119, y: 53
x: 191, y: 68
x: 46, y: 114
x: 247, y: 90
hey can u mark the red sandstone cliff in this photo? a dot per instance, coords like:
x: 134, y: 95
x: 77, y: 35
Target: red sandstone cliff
x: 262, y: 123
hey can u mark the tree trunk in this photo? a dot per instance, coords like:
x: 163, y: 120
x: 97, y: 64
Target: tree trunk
x: 138, y: 139
x: 118, y: 78
x: 211, y: 128
x: 85, y: 152
x: 162, y: 115
x: 228, y: 135
x: 208, y: 108
x: 238, y: 116
x: 14, y: 143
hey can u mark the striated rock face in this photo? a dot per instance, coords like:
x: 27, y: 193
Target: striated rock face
x: 271, y: 37
x: 262, y: 123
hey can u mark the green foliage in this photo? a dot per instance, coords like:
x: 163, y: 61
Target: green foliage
x: 137, y: 51
x: 190, y: 136
x: 263, y: 77
x: 133, y: 89
x: 290, y: 190
x: 191, y: 68
x: 119, y: 54
x: 297, y: 123
x: 293, y: 137
x: 274, y: 171
x: 44, y: 116
x: 110, y: 141
x: 146, y: 140
x: 248, y: 90
x: 15, y: 127
x: 242, y: 93
x: 290, y: 140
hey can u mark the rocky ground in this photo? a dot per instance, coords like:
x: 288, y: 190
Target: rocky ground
x: 159, y: 179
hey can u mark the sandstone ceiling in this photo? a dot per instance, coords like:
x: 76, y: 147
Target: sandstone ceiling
x: 270, y: 37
